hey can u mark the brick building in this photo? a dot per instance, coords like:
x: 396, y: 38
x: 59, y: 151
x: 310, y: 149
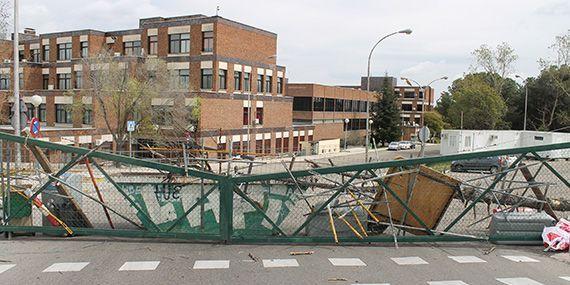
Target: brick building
x: 230, y: 66
x: 327, y: 108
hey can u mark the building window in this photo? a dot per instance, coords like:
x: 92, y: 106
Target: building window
x: 42, y: 112
x: 222, y: 75
x: 84, y: 49
x: 64, y: 81
x: 259, y: 146
x: 206, y: 82
x: 45, y: 81
x: 302, y: 103
x: 207, y: 41
x: 338, y: 105
x: 279, y: 85
x: 87, y: 114
x: 78, y: 80
x: 64, y: 51
x: 409, y: 94
x: 36, y: 55
x: 21, y: 81
x: 180, y: 79
x: 237, y: 80
x: 259, y: 116
x: 46, y: 52
x: 419, y: 108
x: 179, y: 43
x: 4, y: 81
x: 245, y: 116
x: 132, y: 48
x: 318, y: 104
x: 260, y: 83
x: 21, y: 55
x: 267, y: 146
x: 329, y: 105
x: 286, y: 144
x: 153, y: 45
x: 268, y: 83
x: 278, y: 145
x: 247, y: 82
x: 62, y: 114
x: 421, y: 95
x: 407, y: 107
x: 295, y: 144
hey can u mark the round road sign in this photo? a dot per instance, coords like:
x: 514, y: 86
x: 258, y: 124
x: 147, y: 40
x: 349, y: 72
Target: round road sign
x: 35, y: 127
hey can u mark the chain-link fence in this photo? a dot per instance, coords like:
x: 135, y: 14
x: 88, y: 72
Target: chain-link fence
x: 493, y: 195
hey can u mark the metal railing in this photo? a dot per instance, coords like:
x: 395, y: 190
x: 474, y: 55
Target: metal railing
x: 407, y: 200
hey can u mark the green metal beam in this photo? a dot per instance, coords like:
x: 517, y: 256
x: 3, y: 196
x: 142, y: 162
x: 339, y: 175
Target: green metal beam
x: 552, y: 169
x: 315, y: 213
x: 107, y: 156
x: 400, y: 163
x: 491, y: 187
x: 126, y: 196
x: 200, y: 201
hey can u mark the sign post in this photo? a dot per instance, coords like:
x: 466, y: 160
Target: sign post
x: 131, y: 125
x: 423, y: 136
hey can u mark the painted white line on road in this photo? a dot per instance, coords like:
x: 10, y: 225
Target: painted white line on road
x: 66, y: 267
x: 412, y: 260
x: 520, y: 258
x: 346, y: 262
x: 518, y: 281
x: 467, y: 259
x: 5, y: 267
x: 139, y: 265
x: 567, y: 278
x: 371, y: 284
x: 280, y: 263
x: 211, y: 264
x: 450, y: 282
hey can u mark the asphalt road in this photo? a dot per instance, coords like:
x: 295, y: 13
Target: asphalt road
x: 37, y: 261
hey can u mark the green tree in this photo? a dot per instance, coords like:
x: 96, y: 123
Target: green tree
x: 434, y: 121
x: 482, y: 107
x: 499, y: 63
x: 386, y: 115
x: 443, y: 106
x: 549, y: 100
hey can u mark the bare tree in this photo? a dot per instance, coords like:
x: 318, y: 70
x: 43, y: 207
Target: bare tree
x: 5, y: 16
x: 139, y: 89
x: 499, y: 62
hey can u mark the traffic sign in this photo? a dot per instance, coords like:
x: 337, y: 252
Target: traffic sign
x: 35, y: 127
x: 423, y: 134
x: 131, y: 125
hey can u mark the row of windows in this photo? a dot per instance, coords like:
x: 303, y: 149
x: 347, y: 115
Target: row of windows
x: 63, y: 113
x: 355, y: 124
x: 264, y: 145
x: 320, y: 104
x: 5, y: 81
x: 408, y: 107
x: 409, y: 94
x: 206, y: 81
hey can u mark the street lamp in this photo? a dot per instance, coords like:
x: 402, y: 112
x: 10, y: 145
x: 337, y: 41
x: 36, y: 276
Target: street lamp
x: 525, y: 81
x: 409, y: 82
x: 407, y: 32
x: 346, y: 121
x: 36, y: 101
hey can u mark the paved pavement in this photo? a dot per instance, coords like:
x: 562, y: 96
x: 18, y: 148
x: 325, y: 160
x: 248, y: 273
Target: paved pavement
x: 112, y: 261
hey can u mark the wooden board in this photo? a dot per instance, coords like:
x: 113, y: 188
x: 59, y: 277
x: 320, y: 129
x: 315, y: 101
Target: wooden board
x: 427, y: 193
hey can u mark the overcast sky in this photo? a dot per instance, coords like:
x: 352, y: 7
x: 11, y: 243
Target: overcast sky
x: 328, y: 41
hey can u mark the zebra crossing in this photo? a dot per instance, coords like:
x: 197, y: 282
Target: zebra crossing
x: 405, y: 261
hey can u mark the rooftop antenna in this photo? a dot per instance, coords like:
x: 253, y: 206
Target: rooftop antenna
x: 217, y: 9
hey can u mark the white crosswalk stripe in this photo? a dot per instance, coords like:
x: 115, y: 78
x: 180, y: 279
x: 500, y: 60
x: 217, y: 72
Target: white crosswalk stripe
x: 211, y: 264
x: 5, y: 267
x: 567, y: 278
x: 346, y: 262
x: 66, y: 267
x: 467, y: 259
x: 139, y: 265
x: 450, y: 282
x: 518, y: 281
x: 520, y: 258
x: 268, y: 263
x: 411, y: 260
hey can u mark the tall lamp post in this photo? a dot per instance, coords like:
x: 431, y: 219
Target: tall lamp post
x: 407, y: 32
x: 409, y: 82
x: 17, y: 107
x: 525, y: 81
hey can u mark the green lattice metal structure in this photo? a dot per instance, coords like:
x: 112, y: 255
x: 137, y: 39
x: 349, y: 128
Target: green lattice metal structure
x: 160, y: 200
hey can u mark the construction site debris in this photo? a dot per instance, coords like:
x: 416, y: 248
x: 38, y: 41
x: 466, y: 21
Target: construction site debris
x: 557, y: 238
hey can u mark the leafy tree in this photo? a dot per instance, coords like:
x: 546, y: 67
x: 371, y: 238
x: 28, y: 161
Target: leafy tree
x: 434, y: 121
x: 482, y: 107
x: 500, y: 62
x: 386, y: 115
x: 549, y: 100
x: 443, y: 106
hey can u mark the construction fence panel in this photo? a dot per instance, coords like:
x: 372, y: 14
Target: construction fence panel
x: 77, y: 191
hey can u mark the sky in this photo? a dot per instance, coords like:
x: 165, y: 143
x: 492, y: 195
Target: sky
x: 328, y: 42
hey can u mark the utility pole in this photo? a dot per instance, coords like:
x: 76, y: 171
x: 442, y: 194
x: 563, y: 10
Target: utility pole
x: 16, y: 72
